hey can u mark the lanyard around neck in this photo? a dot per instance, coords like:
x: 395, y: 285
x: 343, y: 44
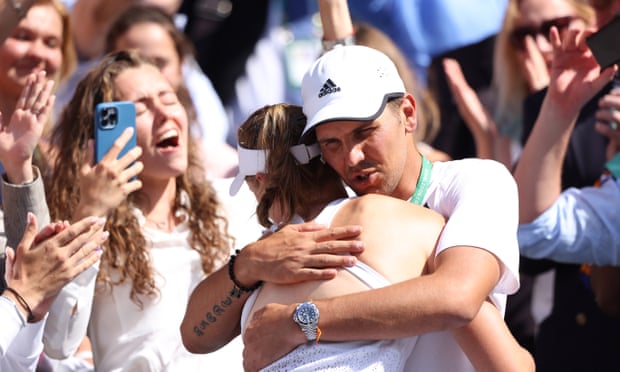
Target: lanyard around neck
x: 424, y: 180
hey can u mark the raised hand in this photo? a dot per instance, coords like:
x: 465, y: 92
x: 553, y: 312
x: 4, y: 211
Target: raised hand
x: 20, y: 136
x: 475, y: 115
x: 575, y: 74
x: 44, y: 262
x: 104, y: 186
x: 533, y: 65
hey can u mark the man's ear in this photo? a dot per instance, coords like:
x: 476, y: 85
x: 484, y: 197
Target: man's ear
x: 408, y: 109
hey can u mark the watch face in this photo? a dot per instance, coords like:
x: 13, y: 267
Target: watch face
x: 307, y: 313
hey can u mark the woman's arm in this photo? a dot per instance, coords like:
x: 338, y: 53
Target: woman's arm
x: 490, y: 143
x: 336, y: 19
x: 22, y: 186
x: 490, y: 346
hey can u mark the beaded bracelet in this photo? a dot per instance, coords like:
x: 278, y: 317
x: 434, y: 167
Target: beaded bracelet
x: 23, y: 303
x: 239, y: 289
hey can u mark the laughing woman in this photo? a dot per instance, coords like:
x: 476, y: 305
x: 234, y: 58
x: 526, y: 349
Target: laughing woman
x: 164, y: 237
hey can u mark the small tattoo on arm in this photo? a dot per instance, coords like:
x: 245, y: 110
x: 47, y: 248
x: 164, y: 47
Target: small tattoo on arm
x: 212, y: 316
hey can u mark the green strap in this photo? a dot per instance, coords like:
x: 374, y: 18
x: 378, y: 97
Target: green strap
x: 614, y: 166
x: 424, y: 180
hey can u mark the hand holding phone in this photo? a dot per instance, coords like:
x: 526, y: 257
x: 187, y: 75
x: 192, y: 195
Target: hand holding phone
x: 104, y: 185
x: 605, y: 43
x: 111, y: 120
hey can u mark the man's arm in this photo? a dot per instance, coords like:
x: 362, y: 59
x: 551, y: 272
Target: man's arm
x: 426, y: 304
x: 296, y: 253
x: 212, y: 316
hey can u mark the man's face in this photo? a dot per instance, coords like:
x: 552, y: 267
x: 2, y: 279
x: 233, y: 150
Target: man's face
x: 370, y: 156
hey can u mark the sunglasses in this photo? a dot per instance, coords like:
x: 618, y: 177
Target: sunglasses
x: 517, y: 36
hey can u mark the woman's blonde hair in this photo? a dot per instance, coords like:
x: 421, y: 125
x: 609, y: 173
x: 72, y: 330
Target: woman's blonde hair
x: 509, y: 80
x: 277, y: 128
x: 126, y: 251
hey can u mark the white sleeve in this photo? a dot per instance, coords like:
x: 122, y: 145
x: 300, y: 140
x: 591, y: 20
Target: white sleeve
x: 20, y: 342
x: 69, y: 315
x: 480, y: 200
x: 580, y: 227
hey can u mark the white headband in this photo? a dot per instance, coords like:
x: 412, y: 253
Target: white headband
x: 252, y: 161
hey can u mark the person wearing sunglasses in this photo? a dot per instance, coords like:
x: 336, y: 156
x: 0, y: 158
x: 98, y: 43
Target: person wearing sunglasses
x: 570, y: 319
x: 521, y: 63
x: 577, y: 321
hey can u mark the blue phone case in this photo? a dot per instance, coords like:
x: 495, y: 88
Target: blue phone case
x: 111, y: 119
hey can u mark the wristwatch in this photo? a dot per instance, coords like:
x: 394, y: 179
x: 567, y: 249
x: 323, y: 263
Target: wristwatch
x: 307, y: 316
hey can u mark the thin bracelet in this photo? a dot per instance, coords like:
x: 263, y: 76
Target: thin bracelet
x: 239, y: 289
x: 330, y: 44
x: 23, y: 304
x: 18, y: 8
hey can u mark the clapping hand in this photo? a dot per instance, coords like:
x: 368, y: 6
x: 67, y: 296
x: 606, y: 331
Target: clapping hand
x: 46, y: 261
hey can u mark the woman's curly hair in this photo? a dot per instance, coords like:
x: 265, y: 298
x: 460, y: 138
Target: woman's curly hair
x: 126, y: 252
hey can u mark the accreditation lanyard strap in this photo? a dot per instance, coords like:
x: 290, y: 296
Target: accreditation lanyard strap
x: 424, y: 180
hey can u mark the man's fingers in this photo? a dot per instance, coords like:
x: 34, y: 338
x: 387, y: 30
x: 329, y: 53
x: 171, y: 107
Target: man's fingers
x: 307, y: 275
x: 325, y: 261
x: 338, y: 247
x: 307, y: 227
x: 338, y: 233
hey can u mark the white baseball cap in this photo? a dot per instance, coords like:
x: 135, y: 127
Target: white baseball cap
x: 350, y: 82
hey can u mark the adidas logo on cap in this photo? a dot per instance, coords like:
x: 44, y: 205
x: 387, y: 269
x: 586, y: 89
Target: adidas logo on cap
x: 328, y: 87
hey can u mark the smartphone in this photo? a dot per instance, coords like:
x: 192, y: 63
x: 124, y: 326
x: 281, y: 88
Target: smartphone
x: 605, y: 43
x: 111, y: 119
